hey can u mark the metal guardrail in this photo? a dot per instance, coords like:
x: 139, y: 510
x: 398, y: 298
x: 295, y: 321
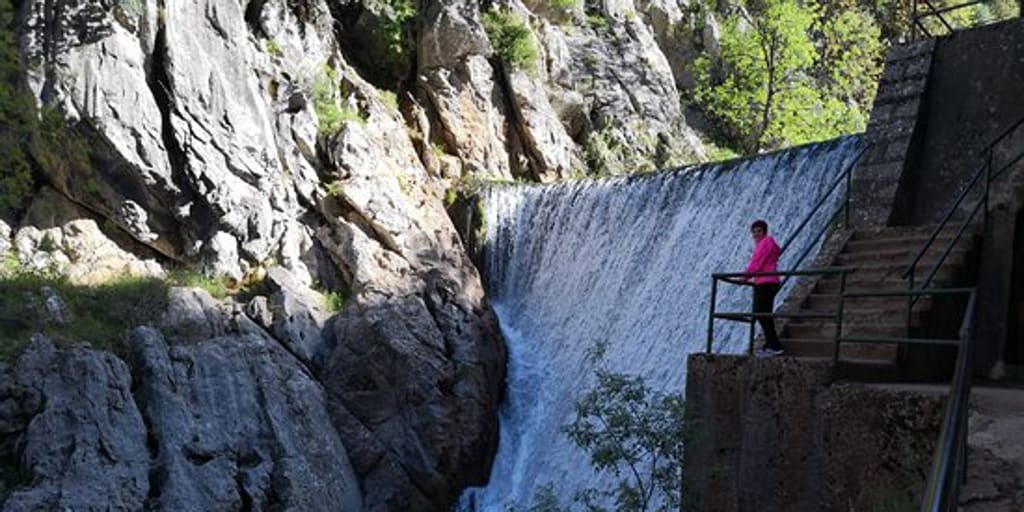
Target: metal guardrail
x: 918, y: 16
x: 844, y: 177
x: 741, y: 278
x: 984, y: 171
x: 949, y: 464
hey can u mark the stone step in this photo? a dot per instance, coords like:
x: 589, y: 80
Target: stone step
x: 880, y: 279
x: 829, y: 302
x: 827, y: 329
x: 860, y: 314
x: 905, y: 231
x: 908, y: 244
x: 882, y: 271
x: 824, y: 348
x: 900, y: 257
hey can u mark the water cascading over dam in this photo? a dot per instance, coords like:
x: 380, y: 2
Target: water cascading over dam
x: 625, y: 261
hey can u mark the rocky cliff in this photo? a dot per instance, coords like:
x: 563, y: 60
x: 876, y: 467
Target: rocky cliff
x: 300, y: 147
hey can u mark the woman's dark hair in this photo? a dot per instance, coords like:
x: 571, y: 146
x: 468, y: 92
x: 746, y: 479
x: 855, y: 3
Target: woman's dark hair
x: 759, y: 224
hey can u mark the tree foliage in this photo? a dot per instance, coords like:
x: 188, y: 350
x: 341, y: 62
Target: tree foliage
x: 788, y: 73
x: 512, y: 39
x: 632, y: 432
x: 17, y: 120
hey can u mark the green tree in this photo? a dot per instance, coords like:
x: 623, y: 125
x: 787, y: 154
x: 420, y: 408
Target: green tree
x: 789, y: 72
x: 636, y: 434
x: 766, y: 56
x: 17, y: 120
x: 511, y: 38
x: 849, y: 65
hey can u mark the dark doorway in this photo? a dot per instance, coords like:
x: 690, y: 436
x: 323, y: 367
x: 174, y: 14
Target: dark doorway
x: 1015, y: 318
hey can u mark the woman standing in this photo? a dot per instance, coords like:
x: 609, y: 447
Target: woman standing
x: 765, y: 259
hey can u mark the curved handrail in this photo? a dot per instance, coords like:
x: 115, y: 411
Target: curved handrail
x: 950, y: 459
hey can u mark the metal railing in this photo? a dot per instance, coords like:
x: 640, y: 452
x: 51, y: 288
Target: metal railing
x: 984, y: 171
x: 949, y: 466
x: 923, y: 10
x: 844, y: 177
x: 741, y: 279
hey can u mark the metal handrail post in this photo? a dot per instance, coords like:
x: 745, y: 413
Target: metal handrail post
x: 711, y: 312
x: 988, y: 184
x: 913, y: 20
x: 846, y: 207
x: 911, y: 299
x: 753, y: 309
x: 839, y: 318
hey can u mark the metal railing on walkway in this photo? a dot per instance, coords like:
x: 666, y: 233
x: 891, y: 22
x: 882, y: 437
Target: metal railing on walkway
x: 985, y: 170
x: 924, y: 11
x: 741, y: 279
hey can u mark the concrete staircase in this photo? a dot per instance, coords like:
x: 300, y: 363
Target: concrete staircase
x: 880, y: 256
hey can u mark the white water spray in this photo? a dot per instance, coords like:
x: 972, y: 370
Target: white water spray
x: 626, y: 261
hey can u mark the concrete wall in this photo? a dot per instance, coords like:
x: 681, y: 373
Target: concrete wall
x: 880, y: 181
x: 975, y: 90
x: 782, y: 434
x: 939, y: 103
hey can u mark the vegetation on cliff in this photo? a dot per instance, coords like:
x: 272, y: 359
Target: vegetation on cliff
x: 17, y: 120
x: 789, y: 72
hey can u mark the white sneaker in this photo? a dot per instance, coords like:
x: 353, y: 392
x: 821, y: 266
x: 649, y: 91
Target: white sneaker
x: 763, y: 353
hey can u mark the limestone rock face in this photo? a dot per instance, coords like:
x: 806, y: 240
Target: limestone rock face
x: 234, y: 137
x: 186, y: 109
x: 86, y: 441
x: 237, y: 422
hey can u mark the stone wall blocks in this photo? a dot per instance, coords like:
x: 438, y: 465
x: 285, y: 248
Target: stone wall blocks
x: 910, y: 50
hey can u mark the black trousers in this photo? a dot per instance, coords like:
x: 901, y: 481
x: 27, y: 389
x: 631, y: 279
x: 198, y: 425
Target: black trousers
x: 764, y: 302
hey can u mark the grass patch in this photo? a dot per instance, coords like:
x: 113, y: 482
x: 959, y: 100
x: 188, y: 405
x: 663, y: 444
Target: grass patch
x: 217, y: 287
x: 716, y: 153
x: 389, y: 99
x: 566, y: 5
x: 512, y: 39
x: 597, y: 21
x: 100, y: 315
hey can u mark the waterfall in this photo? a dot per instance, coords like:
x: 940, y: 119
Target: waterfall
x: 626, y: 261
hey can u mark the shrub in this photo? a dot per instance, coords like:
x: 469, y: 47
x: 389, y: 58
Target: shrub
x: 512, y: 39
x: 332, y: 116
x: 274, y: 48
x: 17, y: 121
x: 396, y: 17
x: 334, y: 301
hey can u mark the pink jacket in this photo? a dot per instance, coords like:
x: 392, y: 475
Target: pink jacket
x: 765, y: 259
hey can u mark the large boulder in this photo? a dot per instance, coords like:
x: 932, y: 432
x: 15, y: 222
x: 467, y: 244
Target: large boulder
x: 86, y: 444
